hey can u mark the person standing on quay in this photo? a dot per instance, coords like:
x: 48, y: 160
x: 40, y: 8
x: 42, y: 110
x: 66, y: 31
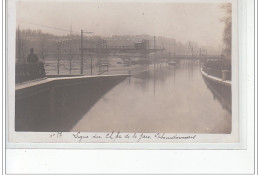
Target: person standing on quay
x: 32, y: 58
x: 35, y: 67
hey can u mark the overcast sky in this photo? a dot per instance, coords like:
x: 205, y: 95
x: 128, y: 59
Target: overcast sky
x: 183, y: 21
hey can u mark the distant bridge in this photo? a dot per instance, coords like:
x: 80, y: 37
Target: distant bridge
x: 196, y: 57
x: 121, y: 49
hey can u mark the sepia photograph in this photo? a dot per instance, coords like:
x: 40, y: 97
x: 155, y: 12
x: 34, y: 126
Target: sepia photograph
x: 147, y: 68
x: 130, y: 86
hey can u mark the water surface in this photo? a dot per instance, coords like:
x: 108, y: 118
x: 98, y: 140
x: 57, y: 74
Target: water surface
x: 165, y: 99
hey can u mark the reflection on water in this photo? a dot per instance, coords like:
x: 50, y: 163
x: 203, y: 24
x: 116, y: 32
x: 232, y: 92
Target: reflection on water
x: 173, y: 99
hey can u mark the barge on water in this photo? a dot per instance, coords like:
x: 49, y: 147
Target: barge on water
x: 221, y: 88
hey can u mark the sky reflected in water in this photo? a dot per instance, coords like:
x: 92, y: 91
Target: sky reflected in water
x: 175, y: 100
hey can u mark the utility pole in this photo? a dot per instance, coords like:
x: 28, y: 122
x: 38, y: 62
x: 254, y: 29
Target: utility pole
x: 174, y: 47
x: 154, y: 42
x: 70, y: 48
x: 154, y: 45
x: 18, y: 45
x: 91, y: 64
x: 81, y: 53
x: 42, y: 45
x: 58, y: 62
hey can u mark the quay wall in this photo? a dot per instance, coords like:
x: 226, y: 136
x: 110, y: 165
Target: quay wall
x: 57, y: 104
x: 222, y: 90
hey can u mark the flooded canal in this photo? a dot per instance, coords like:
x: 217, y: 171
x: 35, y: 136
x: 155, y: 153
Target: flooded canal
x: 172, y: 99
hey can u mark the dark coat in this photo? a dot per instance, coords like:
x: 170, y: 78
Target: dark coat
x: 32, y: 58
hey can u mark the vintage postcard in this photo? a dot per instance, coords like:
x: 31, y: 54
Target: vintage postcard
x: 123, y: 72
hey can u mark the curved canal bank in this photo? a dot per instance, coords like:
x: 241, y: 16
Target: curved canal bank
x: 168, y: 99
x: 56, y: 104
x: 221, y: 89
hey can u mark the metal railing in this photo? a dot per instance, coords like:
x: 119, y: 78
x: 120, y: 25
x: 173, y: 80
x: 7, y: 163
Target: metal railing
x: 27, y: 72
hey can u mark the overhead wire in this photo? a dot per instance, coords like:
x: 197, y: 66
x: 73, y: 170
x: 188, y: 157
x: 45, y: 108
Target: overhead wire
x: 50, y: 27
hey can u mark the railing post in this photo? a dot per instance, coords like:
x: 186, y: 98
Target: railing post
x: 58, y: 67
x: 27, y: 72
x: 224, y: 75
x: 208, y: 71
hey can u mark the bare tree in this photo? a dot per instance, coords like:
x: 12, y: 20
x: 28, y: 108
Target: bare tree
x: 43, y: 48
